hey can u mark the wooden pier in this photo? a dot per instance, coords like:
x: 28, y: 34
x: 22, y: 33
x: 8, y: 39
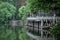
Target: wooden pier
x: 38, y: 27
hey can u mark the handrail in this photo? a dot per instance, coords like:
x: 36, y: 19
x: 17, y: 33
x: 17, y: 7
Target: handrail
x: 39, y: 18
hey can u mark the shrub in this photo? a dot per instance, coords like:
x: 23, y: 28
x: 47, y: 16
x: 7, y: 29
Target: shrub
x: 55, y: 30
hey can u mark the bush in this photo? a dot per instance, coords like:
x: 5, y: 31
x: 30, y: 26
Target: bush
x: 23, y: 12
x: 55, y: 30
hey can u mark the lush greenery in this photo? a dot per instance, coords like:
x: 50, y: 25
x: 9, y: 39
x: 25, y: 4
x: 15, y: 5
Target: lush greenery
x: 55, y: 30
x: 35, y: 5
x: 23, y: 12
x: 6, y: 33
x: 10, y: 1
x: 23, y: 35
x: 7, y: 10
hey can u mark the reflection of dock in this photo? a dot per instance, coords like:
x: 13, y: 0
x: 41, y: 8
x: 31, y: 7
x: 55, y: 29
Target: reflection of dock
x: 33, y: 37
x: 36, y: 26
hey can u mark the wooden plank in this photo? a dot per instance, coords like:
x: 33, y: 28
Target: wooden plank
x: 36, y: 26
x: 41, y: 18
x: 36, y: 29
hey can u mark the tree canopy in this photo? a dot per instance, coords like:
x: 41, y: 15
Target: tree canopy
x: 35, y: 5
x: 7, y: 10
x: 23, y: 12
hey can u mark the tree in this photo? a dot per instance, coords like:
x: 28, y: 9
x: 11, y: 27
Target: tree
x: 47, y: 5
x: 55, y: 31
x: 7, y: 10
x: 23, y: 12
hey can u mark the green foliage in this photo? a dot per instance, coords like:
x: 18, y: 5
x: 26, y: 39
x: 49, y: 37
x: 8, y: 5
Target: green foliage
x: 6, y: 34
x: 7, y: 10
x: 22, y: 34
x: 55, y: 30
x: 10, y: 1
x: 35, y: 5
x: 32, y: 5
x: 23, y: 12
